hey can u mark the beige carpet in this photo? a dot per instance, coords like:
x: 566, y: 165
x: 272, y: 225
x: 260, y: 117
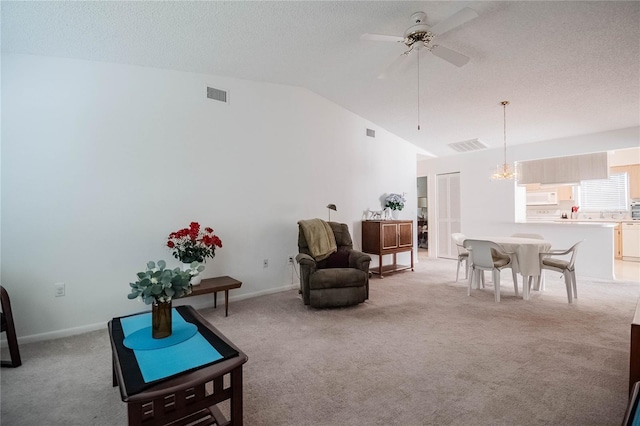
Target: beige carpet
x: 419, y: 352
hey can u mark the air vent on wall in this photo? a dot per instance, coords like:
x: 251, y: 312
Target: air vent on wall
x: 371, y: 133
x: 217, y: 94
x: 466, y: 146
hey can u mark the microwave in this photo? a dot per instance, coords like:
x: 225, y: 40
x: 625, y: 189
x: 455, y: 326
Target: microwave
x: 635, y: 210
x: 542, y: 198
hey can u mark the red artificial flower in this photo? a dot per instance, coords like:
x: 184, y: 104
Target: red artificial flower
x: 192, y: 245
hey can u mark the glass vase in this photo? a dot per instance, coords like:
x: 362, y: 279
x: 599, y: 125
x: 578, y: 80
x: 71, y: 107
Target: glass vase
x: 161, y: 320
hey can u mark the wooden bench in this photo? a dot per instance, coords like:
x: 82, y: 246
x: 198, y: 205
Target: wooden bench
x: 214, y: 285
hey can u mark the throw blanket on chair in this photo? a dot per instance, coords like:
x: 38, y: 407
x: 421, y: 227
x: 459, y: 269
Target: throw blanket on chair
x: 320, y: 238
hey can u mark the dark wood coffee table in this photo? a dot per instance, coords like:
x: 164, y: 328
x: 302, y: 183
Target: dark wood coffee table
x: 187, y: 398
x: 214, y: 285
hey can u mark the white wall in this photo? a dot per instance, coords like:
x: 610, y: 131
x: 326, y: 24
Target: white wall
x: 489, y: 207
x: 101, y: 161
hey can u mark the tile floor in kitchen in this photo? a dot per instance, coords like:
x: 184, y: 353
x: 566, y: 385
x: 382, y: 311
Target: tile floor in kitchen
x: 625, y: 270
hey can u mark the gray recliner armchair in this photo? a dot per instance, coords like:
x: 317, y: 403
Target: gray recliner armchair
x: 342, y: 279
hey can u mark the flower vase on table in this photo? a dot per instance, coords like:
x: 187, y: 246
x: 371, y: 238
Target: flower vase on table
x: 161, y: 320
x: 158, y: 286
x: 394, y: 202
x: 194, y: 245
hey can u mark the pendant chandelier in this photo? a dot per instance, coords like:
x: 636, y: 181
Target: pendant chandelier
x: 504, y: 171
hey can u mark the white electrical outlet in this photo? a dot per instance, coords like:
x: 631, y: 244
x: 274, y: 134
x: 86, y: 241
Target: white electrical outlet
x: 291, y: 260
x: 265, y: 263
x: 58, y: 289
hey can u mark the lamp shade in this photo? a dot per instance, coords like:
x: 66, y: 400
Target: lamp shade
x: 422, y: 202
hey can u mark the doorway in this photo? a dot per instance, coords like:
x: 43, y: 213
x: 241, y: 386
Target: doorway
x: 447, y: 213
x: 423, y: 217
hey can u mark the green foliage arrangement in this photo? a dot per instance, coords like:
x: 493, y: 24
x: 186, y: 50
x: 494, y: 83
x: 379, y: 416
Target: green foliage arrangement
x: 158, y: 284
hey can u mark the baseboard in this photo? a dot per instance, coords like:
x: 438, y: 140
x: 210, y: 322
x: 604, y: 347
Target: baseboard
x: 265, y: 292
x: 196, y: 302
x: 59, y: 333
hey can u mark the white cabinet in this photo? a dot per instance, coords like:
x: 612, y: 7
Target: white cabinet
x: 617, y: 241
x: 631, y: 241
x: 447, y: 213
x: 564, y: 169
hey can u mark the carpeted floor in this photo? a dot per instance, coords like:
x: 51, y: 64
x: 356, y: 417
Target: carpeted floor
x: 418, y: 352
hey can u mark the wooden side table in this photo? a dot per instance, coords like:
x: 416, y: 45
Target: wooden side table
x: 214, y: 285
x: 188, y: 398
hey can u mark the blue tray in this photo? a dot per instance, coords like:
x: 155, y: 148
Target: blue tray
x: 142, y: 340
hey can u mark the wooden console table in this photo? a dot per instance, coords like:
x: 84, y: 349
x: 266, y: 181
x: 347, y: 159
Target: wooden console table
x: 214, y: 285
x: 382, y: 237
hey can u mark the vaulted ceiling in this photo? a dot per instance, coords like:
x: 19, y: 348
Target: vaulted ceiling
x: 567, y: 67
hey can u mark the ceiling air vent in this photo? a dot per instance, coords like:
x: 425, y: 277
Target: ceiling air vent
x: 216, y: 94
x: 466, y: 146
x: 371, y: 133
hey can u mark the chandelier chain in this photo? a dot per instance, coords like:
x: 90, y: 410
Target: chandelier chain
x: 504, y: 172
x: 418, y: 56
x: 504, y: 109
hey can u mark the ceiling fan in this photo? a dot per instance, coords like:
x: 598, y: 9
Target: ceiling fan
x: 420, y: 36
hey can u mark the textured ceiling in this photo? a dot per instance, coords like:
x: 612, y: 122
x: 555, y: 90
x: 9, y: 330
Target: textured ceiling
x: 568, y: 67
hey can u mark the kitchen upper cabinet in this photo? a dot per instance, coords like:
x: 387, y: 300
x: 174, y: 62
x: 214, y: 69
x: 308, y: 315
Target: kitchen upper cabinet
x: 565, y: 193
x: 634, y: 181
x: 633, y: 172
x: 564, y: 169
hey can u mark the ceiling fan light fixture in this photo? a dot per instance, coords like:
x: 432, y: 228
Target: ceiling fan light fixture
x: 505, y: 171
x: 421, y: 36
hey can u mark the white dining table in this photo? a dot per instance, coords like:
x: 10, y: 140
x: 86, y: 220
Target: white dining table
x: 527, y: 257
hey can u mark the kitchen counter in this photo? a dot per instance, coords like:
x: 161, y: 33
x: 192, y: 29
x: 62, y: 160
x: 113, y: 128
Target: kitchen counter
x: 597, y: 253
x: 582, y: 220
x: 575, y: 222
x: 595, y: 220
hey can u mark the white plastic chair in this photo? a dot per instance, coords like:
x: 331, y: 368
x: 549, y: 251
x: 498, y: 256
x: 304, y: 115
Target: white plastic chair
x: 463, y: 254
x: 489, y: 256
x: 539, y: 285
x: 566, y: 267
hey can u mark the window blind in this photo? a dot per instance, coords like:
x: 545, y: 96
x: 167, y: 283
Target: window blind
x: 605, y: 194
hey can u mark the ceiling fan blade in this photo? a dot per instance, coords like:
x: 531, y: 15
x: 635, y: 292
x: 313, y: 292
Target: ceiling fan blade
x: 457, y: 59
x: 395, y: 66
x: 455, y: 20
x: 380, y: 37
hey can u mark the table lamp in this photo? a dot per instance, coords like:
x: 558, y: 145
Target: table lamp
x: 422, y: 204
x: 331, y: 207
